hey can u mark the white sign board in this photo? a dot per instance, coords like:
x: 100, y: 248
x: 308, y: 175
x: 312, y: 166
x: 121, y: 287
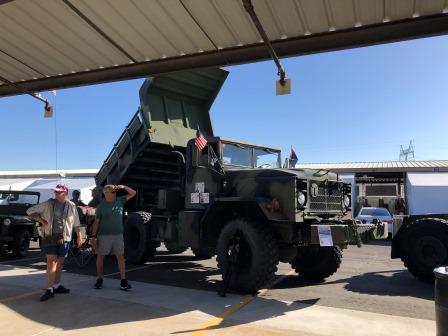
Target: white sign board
x: 199, y: 187
x: 194, y: 198
x: 325, y: 238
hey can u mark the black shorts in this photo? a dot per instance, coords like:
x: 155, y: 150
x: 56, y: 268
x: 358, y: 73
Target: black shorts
x: 57, y: 250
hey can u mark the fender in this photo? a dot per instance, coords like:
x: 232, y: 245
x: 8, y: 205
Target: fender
x: 221, y: 210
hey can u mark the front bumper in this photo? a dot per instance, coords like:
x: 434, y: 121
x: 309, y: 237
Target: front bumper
x: 349, y: 233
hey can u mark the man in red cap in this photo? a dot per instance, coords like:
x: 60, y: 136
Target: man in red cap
x: 59, y: 218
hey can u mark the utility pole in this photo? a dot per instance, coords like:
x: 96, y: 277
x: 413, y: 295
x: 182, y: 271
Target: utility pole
x: 405, y: 154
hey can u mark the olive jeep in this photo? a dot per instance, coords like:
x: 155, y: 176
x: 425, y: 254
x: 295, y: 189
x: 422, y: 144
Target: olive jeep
x: 16, y: 228
x: 230, y: 198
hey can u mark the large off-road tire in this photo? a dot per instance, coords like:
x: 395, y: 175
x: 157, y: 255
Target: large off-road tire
x: 138, y: 243
x: 424, y: 246
x: 203, y: 252
x: 317, y: 262
x: 21, y: 243
x: 257, y: 259
x: 175, y: 248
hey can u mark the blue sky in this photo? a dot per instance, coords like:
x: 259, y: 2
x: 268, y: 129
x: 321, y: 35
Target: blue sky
x: 353, y: 105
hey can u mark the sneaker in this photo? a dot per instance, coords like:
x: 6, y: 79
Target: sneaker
x: 47, y: 295
x: 61, y: 290
x: 124, y: 285
x: 99, y: 283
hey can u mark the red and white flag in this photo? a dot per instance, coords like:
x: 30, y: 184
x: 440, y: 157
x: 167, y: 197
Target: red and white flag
x: 200, y: 141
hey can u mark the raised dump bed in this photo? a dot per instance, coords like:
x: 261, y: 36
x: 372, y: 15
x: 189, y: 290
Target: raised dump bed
x: 148, y: 155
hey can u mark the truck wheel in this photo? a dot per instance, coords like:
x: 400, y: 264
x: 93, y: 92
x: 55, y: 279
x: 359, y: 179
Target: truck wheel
x: 317, y: 262
x: 203, y: 252
x: 175, y: 248
x: 138, y: 244
x: 424, y: 246
x: 21, y: 243
x: 257, y: 257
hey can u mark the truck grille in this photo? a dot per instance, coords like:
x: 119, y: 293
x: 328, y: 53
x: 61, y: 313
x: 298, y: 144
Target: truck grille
x: 325, y: 196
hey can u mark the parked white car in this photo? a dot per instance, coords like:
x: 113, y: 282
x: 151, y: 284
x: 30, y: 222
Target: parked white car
x: 368, y: 214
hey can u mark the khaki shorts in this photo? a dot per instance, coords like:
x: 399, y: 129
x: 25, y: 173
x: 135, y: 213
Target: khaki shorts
x: 110, y: 244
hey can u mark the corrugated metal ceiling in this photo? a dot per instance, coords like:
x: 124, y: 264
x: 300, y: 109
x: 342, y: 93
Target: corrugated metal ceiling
x: 60, y: 40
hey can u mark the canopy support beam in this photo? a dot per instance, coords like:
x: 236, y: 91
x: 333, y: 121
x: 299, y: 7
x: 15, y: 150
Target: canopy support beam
x: 394, y: 31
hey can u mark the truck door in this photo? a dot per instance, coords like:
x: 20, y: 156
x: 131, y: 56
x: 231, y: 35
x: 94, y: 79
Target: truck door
x: 203, y: 180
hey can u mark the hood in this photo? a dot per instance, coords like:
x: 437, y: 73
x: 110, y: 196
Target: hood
x: 311, y: 174
x: 17, y: 218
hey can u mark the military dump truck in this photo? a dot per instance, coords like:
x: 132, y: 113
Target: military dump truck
x: 230, y: 196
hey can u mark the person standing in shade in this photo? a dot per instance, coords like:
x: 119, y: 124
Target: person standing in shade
x: 107, y: 231
x: 76, y: 198
x: 59, y: 218
x: 96, y: 197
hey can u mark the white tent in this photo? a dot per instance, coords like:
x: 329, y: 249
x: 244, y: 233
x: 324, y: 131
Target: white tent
x: 46, y: 185
x: 15, y: 183
x: 427, y: 193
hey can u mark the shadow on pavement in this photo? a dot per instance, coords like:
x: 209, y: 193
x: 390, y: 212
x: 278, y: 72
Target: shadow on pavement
x: 89, y: 308
x: 385, y: 283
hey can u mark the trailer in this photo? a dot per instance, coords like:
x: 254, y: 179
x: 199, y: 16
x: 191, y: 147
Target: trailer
x: 420, y: 238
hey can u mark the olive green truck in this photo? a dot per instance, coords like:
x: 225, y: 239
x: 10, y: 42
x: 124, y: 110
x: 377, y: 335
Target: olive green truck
x: 231, y: 198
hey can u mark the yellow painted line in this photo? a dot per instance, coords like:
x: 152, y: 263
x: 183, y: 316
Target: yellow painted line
x: 21, y: 296
x: 217, y: 320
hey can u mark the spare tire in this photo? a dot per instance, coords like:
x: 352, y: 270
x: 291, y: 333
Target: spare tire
x: 21, y: 243
x: 424, y: 246
x: 139, y: 246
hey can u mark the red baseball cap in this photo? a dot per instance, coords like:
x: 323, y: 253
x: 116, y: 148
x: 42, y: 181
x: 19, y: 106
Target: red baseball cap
x: 61, y: 188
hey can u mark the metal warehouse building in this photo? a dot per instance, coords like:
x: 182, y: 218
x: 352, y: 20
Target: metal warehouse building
x: 383, y: 184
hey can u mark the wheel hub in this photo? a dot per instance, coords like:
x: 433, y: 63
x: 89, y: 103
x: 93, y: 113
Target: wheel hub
x: 431, y: 251
x: 239, y: 252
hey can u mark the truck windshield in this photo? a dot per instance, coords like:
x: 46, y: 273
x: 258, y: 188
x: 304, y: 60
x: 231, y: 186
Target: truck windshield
x: 265, y: 158
x: 375, y: 212
x: 246, y: 156
x: 14, y: 198
x: 236, y: 155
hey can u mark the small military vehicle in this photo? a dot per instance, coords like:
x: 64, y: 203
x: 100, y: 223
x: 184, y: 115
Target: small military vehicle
x: 232, y: 198
x: 16, y: 228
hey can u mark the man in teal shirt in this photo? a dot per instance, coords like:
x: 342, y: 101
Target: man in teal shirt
x: 107, y: 231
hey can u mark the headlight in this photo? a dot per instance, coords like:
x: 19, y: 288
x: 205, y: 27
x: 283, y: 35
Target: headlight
x: 346, y: 201
x: 7, y: 222
x: 301, y: 198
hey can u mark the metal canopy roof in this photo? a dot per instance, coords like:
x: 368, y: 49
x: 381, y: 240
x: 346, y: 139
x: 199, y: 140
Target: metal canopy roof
x: 382, y: 166
x: 46, y: 44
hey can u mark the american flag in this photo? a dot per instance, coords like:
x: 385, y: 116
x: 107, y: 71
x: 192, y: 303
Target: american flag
x: 200, y: 141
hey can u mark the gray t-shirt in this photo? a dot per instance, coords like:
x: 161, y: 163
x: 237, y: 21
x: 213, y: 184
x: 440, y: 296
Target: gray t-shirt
x: 58, y: 217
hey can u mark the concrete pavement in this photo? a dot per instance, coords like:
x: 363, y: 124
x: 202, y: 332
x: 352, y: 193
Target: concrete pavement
x: 154, y: 309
